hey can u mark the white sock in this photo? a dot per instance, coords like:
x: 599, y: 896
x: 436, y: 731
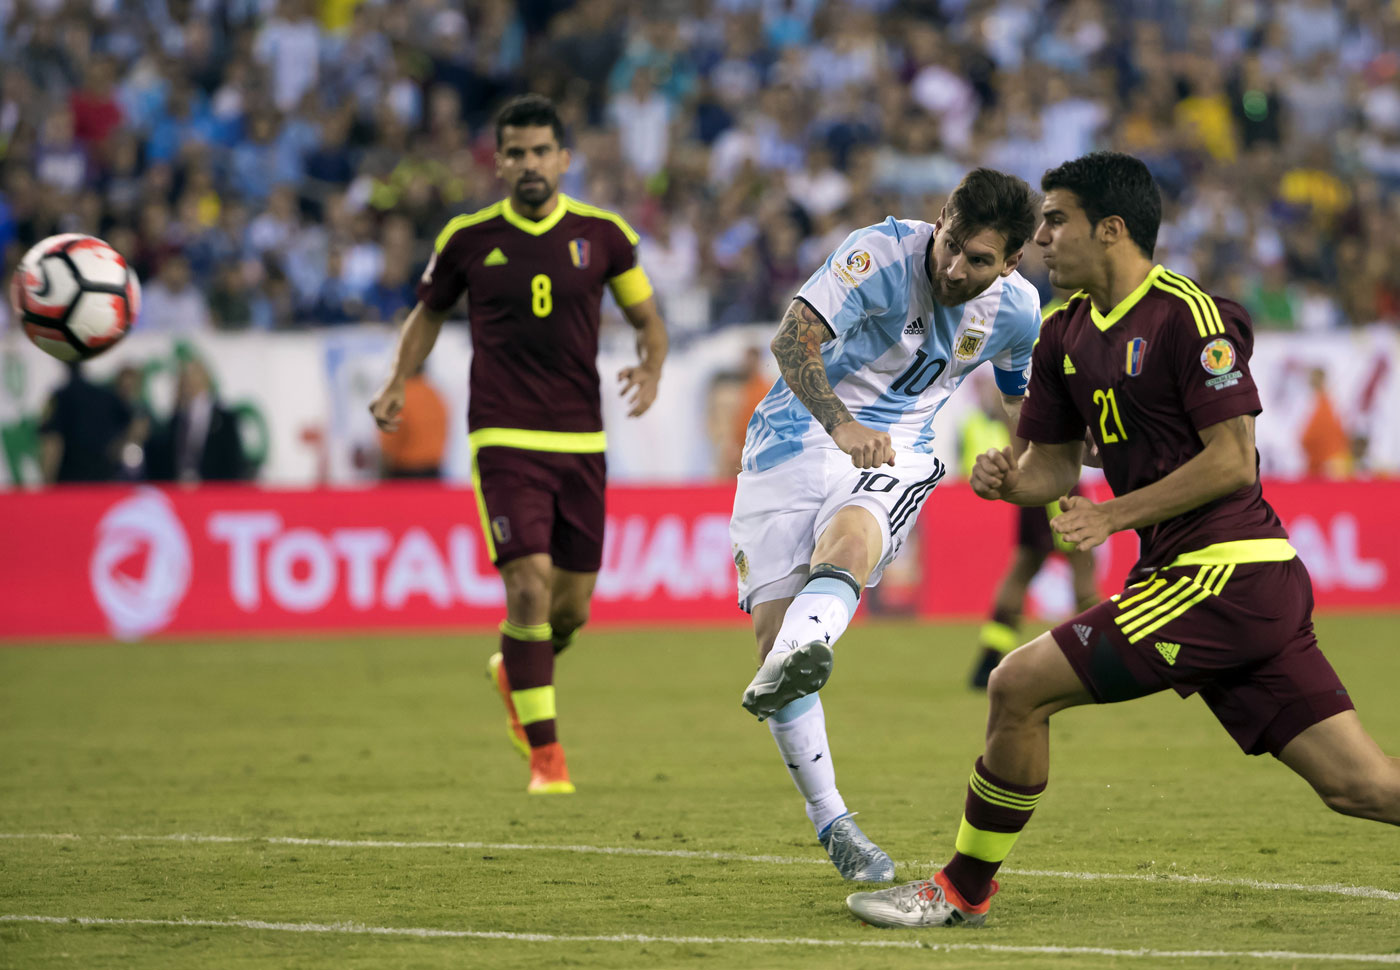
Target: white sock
x: 803, y: 745
x: 814, y: 615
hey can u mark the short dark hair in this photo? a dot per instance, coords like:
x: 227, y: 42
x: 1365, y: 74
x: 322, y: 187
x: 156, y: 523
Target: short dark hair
x: 1113, y: 184
x: 529, y: 111
x: 988, y: 199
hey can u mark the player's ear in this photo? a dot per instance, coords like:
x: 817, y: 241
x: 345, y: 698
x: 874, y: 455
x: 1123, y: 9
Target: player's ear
x: 498, y: 158
x: 1009, y: 264
x: 565, y: 157
x: 1111, y: 229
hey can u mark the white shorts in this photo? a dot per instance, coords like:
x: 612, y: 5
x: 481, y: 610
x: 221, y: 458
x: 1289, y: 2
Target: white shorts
x: 780, y: 513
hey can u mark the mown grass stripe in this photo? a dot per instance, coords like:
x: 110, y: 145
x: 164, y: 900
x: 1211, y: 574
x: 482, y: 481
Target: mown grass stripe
x: 899, y: 943
x: 1338, y: 889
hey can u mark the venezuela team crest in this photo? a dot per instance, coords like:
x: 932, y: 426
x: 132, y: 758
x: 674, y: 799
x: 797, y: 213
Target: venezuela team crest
x: 578, y: 253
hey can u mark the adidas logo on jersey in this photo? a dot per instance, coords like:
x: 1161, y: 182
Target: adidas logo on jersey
x: 1069, y: 365
x: 1083, y: 632
x: 916, y: 328
x: 498, y: 258
x: 1169, y: 652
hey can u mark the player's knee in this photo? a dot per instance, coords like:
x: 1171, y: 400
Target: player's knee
x: 565, y: 618
x: 1010, y: 691
x: 1363, y: 796
x: 527, y: 594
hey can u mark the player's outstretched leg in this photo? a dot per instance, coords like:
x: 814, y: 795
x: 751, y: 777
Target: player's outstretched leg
x: 1347, y: 768
x: 1006, y: 784
x: 799, y: 729
x: 801, y: 659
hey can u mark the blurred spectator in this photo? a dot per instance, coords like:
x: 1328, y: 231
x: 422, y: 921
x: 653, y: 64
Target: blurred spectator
x: 82, y: 431
x: 269, y: 132
x: 130, y: 386
x: 201, y: 441
x: 416, y: 449
x: 171, y: 303
x: 1324, y: 439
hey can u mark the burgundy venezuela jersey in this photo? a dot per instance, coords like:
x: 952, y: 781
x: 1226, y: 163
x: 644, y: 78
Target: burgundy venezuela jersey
x: 1165, y: 363
x: 534, y: 290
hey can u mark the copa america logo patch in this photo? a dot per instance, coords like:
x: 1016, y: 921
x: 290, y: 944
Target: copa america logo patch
x: 1218, y: 357
x: 858, y: 262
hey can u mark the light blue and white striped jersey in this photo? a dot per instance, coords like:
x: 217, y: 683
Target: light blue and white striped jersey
x: 898, y: 354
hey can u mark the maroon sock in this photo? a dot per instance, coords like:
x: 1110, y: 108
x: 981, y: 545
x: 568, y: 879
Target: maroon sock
x: 993, y: 806
x: 530, y: 663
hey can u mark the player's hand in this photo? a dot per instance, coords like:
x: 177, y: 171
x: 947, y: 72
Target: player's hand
x: 1082, y: 522
x: 994, y: 474
x: 387, y: 405
x: 867, y: 447
x: 641, y: 382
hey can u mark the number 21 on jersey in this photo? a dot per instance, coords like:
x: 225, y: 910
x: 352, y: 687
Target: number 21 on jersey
x: 1108, y: 405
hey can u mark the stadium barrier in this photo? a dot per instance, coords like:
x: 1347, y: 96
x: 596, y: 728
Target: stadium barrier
x: 133, y: 562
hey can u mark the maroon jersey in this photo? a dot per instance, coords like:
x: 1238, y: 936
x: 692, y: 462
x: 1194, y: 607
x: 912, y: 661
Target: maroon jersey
x: 1165, y: 363
x: 534, y: 291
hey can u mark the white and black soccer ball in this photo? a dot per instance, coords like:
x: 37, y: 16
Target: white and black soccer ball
x: 75, y: 295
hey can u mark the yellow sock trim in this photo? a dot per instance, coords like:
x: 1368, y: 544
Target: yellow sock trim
x: 1000, y: 796
x: 534, y: 704
x: 537, y: 633
x: 987, y: 846
x: 998, y: 636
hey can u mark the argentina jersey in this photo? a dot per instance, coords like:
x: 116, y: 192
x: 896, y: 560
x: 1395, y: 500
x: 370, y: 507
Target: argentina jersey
x: 898, y: 354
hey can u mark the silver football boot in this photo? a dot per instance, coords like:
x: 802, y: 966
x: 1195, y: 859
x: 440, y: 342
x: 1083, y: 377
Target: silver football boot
x: 916, y: 905
x: 853, y: 854
x: 784, y: 677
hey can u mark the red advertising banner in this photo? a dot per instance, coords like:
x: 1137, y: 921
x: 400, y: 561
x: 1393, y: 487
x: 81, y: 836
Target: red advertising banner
x: 138, y: 562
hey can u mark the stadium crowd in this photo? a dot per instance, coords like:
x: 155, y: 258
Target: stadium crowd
x: 283, y: 163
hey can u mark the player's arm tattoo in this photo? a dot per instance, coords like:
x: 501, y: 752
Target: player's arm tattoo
x: 798, y: 348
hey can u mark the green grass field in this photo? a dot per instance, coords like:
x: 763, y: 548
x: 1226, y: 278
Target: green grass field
x: 307, y: 776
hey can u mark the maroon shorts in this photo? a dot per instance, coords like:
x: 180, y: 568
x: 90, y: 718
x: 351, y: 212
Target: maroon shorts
x: 1244, y: 641
x: 1033, y: 527
x: 542, y: 501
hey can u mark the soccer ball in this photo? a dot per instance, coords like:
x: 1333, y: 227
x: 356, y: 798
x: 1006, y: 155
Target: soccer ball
x: 75, y: 295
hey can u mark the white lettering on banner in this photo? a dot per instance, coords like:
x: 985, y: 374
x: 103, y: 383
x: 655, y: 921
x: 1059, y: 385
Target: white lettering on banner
x: 416, y: 569
x: 1335, y: 560
x: 302, y: 573
x: 140, y: 565
x: 361, y: 549
x: 473, y: 587
x: 640, y: 554
x: 243, y: 531
x: 301, y: 594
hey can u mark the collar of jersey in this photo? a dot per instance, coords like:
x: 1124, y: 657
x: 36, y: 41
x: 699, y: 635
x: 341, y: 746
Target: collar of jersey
x: 1128, y: 302
x: 530, y: 225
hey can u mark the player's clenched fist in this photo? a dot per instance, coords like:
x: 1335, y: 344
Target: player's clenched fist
x: 867, y: 447
x: 994, y: 474
x: 387, y: 406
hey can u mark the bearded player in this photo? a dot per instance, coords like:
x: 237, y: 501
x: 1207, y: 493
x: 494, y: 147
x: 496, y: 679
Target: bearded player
x: 533, y: 267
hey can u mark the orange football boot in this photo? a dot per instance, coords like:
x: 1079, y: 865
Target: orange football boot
x: 549, y: 775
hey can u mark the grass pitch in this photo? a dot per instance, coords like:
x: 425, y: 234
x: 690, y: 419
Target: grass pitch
x: 365, y: 749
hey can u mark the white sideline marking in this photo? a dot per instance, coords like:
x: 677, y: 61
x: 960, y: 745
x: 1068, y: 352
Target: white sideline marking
x: 1338, y: 889
x: 360, y: 929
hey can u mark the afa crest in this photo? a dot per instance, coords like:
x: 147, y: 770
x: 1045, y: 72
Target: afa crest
x: 741, y: 563
x: 578, y: 252
x: 970, y: 343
